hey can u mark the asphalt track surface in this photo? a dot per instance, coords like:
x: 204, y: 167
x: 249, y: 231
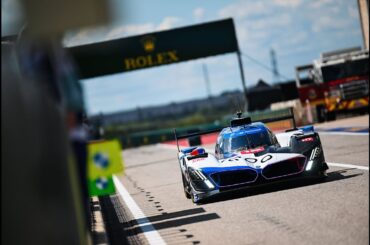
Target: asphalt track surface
x: 332, y: 212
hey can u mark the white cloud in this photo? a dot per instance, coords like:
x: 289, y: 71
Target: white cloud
x: 257, y: 21
x: 129, y: 30
x: 244, y: 9
x: 295, y: 50
x: 352, y: 32
x: 319, y: 3
x: 288, y: 3
x: 328, y: 22
x: 297, y: 38
x: 353, y: 12
x: 168, y: 23
x: 253, y: 33
x: 85, y: 36
x: 81, y: 35
x: 137, y: 29
x: 198, y: 14
x: 272, y: 22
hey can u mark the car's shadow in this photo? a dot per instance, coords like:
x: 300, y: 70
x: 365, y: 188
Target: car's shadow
x: 332, y: 176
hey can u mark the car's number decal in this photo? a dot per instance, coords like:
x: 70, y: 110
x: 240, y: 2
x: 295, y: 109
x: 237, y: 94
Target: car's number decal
x: 250, y: 160
x: 266, y: 158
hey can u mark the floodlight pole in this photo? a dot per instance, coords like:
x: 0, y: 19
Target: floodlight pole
x: 208, y: 86
x: 242, y: 76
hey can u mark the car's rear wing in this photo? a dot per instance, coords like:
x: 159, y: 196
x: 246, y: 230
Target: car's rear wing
x: 235, y: 122
x: 177, y: 137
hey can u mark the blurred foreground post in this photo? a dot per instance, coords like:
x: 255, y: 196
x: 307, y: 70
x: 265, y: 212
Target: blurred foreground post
x: 41, y: 199
x: 44, y: 189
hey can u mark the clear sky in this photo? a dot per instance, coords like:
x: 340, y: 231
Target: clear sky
x: 298, y: 31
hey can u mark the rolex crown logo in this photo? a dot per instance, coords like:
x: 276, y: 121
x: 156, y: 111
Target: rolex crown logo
x: 148, y: 43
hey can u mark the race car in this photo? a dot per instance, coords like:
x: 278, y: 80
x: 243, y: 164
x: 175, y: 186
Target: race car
x: 248, y: 154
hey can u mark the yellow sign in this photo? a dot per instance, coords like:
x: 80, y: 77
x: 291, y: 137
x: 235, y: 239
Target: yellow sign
x: 151, y: 60
x: 104, y: 159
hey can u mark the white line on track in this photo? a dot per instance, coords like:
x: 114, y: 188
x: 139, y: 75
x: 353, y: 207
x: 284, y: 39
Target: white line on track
x: 150, y: 233
x: 345, y: 165
x: 334, y: 164
x: 343, y: 133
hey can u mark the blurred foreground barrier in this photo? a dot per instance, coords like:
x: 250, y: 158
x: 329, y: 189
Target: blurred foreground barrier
x: 104, y: 160
x: 40, y: 195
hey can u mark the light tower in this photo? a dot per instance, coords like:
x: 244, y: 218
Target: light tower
x: 206, y: 79
x: 275, y: 72
x: 208, y: 85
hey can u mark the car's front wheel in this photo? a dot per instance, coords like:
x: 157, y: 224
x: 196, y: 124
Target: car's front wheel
x: 194, y: 198
x: 186, y: 188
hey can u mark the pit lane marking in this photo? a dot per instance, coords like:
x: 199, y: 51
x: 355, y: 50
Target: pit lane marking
x: 334, y: 164
x: 147, y: 228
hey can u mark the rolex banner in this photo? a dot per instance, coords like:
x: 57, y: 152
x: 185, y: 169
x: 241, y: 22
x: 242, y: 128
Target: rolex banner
x: 155, y: 49
x: 104, y: 160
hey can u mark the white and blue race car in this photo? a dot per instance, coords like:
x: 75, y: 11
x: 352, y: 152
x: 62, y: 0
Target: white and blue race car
x: 248, y: 154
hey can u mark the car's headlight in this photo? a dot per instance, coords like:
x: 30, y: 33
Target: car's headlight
x: 199, y: 180
x: 196, y: 175
x: 314, y: 154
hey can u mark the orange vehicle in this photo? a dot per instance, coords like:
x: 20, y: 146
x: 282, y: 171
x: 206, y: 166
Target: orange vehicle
x: 336, y: 82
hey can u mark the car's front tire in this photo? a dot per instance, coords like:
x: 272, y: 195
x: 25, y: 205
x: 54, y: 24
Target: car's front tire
x: 186, y: 187
x: 194, y: 198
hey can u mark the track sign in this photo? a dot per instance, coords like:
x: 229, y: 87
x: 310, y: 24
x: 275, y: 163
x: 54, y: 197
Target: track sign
x: 104, y: 158
x: 155, y: 49
x: 101, y: 186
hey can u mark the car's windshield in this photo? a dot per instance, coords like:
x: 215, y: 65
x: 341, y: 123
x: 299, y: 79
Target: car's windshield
x: 247, y: 141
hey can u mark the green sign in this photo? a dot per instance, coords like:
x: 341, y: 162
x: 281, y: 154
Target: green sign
x: 155, y: 49
x: 101, y: 186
